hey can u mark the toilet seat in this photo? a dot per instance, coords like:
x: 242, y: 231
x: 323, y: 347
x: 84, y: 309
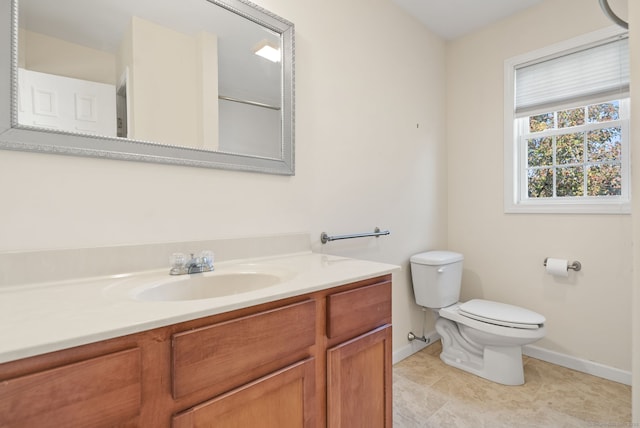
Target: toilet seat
x: 501, y: 314
x: 493, y: 327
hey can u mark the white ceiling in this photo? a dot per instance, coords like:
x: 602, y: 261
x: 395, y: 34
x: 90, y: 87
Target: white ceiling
x: 451, y: 19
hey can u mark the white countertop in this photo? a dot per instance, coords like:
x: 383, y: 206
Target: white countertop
x: 40, y: 318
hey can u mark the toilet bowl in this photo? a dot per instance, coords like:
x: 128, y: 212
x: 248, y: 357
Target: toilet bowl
x: 480, y: 336
x: 490, y: 348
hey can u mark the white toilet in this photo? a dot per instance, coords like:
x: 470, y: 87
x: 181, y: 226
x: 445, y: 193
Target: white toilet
x: 482, y: 337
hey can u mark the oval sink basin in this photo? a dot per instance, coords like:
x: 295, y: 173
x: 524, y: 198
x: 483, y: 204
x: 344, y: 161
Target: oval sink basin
x: 194, y: 287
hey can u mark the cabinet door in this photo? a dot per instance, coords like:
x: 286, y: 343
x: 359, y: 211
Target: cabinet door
x: 359, y: 382
x: 284, y: 399
x: 100, y: 392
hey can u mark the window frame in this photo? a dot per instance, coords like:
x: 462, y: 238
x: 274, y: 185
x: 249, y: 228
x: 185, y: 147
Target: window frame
x: 515, y: 198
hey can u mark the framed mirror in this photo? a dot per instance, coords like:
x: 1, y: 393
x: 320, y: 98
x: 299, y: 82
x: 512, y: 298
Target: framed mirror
x: 181, y: 82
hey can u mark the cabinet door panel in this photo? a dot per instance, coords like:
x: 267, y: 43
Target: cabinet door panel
x: 359, y: 382
x: 99, y: 392
x: 284, y: 399
x: 354, y: 312
x: 225, y: 355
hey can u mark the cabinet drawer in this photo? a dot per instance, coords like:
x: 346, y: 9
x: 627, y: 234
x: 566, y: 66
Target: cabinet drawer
x: 225, y: 355
x: 281, y: 400
x: 354, y: 312
x: 99, y: 392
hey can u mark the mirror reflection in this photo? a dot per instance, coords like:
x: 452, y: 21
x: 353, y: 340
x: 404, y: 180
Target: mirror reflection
x: 182, y: 73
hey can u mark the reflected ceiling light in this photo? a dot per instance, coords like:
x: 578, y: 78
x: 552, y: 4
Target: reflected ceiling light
x: 268, y: 51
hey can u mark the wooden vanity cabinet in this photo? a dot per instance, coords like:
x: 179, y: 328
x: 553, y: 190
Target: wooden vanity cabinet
x: 321, y: 359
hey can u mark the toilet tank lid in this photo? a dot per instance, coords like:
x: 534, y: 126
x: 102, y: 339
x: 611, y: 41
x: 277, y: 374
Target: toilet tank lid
x: 436, y: 258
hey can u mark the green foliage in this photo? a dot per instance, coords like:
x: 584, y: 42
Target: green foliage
x: 569, y: 148
x: 570, y: 181
x: 604, y: 180
x: 577, y: 163
x: 541, y: 122
x: 569, y: 118
x: 540, y: 183
x: 540, y: 151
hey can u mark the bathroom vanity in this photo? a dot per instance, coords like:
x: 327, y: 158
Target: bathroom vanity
x: 308, y: 356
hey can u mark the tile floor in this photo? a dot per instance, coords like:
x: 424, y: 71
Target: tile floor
x: 428, y: 393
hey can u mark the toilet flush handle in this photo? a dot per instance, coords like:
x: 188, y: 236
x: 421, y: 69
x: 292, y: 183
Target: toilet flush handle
x: 442, y: 269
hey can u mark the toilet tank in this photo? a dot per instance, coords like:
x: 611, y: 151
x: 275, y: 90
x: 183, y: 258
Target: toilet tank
x: 436, y: 277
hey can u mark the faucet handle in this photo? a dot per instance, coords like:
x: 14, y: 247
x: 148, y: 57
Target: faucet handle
x: 207, y: 257
x: 177, y: 260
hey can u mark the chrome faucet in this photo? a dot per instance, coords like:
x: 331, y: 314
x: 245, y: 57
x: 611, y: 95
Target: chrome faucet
x: 181, y: 266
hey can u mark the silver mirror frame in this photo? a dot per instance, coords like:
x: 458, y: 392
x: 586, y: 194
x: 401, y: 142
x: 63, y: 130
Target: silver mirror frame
x: 14, y: 136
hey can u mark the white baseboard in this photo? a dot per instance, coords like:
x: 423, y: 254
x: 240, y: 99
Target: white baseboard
x: 584, y: 366
x: 574, y: 363
x: 413, y: 347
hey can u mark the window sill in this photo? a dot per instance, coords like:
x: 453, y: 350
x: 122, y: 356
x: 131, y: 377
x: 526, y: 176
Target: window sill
x: 563, y: 207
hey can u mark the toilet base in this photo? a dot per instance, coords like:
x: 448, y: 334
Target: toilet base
x: 500, y: 364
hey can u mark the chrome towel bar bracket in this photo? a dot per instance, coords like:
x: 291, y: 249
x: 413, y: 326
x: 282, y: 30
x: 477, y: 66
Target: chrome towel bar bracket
x: 324, y: 238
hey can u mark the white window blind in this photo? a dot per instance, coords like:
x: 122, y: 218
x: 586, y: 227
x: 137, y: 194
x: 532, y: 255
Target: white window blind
x: 600, y: 71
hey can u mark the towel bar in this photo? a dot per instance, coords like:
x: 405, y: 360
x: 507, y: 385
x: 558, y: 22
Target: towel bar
x: 324, y: 238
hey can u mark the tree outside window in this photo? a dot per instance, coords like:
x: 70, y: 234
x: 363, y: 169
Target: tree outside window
x: 575, y: 152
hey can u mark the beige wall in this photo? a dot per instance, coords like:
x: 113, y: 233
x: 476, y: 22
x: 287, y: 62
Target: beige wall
x: 370, y: 151
x: 172, y: 85
x: 161, y: 112
x: 588, y: 315
x: 634, y: 21
x: 54, y: 56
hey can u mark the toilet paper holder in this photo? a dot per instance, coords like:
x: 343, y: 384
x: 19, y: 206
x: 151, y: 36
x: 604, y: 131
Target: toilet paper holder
x: 575, y: 265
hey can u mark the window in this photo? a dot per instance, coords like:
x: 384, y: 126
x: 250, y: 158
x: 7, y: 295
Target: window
x: 566, y: 128
x: 575, y: 152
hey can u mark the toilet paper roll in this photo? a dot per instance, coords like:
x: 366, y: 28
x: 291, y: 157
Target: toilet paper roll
x: 557, y: 267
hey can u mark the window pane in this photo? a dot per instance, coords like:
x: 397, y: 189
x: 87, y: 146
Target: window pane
x: 570, y: 181
x: 540, y: 151
x: 541, y: 122
x: 604, y: 180
x: 573, y: 117
x: 540, y: 183
x: 604, y: 144
x: 570, y: 148
x: 604, y: 112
